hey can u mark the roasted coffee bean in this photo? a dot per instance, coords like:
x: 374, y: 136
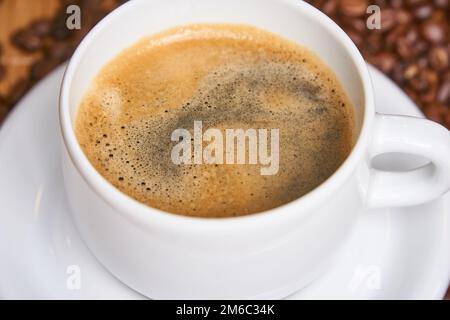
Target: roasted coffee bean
x: 396, y: 3
x: 60, y: 32
x: 413, y: 3
x: 438, y: 16
x: 446, y: 76
x: 388, y: 19
x: 411, y: 71
x: 418, y: 84
x: 443, y: 94
x: 27, y: 40
x: 353, y: 8
x: 422, y: 63
x: 433, y: 32
x: 412, y: 35
x: 403, y: 16
x: 356, y: 24
x: 374, y: 42
x: 438, y: 58
x: 423, y: 82
x: 41, y: 28
x: 387, y: 61
x: 431, y: 77
x: 30, y: 39
x: 429, y: 96
x: 432, y: 80
x: 380, y: 3
x: 392, y: 37
x: 330, y: 7
x: 398, y: 73
x: 423, y: 12
x: 420, y: 47
x: 384, y: 61
x: 404, y: 49
x: 444, y: 4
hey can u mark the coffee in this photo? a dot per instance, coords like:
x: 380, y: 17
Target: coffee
x: 226, y: 76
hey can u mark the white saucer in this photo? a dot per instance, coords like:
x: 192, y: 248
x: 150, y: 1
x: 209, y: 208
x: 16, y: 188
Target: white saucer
x: 392, y: 253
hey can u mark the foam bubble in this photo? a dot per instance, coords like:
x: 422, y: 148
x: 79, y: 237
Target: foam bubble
x: 110, y: 100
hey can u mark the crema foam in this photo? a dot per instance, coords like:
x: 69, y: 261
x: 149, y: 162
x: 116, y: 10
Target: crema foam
x: 226, y: 76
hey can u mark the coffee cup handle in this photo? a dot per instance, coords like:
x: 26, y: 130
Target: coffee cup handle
x: 414, y: 136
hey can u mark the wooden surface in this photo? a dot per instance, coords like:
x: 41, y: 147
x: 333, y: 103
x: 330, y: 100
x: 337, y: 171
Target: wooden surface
x: 15, y: 14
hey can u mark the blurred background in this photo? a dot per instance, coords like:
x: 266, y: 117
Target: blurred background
x: 34, y: 39
x: 412, y: 45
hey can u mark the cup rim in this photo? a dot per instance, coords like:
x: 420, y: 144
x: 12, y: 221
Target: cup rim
x: 144, y: 214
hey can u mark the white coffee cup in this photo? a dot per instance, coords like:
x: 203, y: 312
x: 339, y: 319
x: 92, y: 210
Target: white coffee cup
x: 265, y: 255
